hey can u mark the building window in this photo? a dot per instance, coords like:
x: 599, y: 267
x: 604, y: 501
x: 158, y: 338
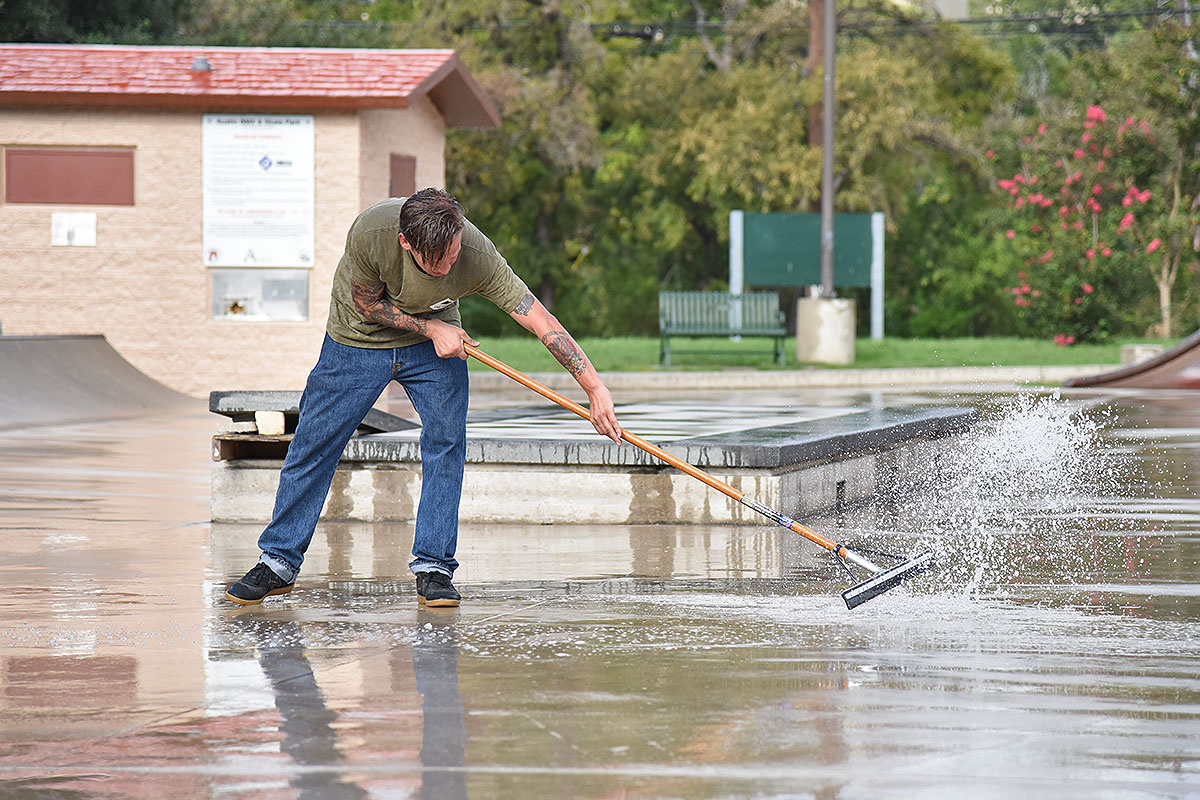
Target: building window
x: 258, y: 294
x: 69, y: 175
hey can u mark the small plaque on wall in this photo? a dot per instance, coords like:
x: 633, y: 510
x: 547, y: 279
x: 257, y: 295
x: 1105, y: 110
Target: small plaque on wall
x: 73, y: 228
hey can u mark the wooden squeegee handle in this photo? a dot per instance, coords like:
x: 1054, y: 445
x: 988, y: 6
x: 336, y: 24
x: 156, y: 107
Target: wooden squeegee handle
x: 657, y: 452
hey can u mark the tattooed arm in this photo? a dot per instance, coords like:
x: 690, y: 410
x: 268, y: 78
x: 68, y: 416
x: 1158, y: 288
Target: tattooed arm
x: 535, y: 318
x: 371, y: 303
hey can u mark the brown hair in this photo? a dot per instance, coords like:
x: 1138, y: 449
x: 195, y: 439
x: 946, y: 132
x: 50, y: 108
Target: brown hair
x: 430, y: 220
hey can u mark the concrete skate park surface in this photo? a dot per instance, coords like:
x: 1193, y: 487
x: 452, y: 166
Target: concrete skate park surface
x: 587, y: 661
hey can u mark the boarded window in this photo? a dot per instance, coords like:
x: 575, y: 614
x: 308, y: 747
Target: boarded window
x: 68, y: 176
x: 403, y: 174
x: 259, y: 294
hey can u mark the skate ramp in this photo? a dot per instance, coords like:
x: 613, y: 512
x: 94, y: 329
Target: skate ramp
x: 1177, y: 368
x: 52, y: 380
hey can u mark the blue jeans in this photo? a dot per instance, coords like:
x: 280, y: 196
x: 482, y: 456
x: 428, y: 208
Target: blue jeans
x: 340, y: 391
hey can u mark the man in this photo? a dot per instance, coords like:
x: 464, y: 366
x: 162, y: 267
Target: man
x: 394, y: 315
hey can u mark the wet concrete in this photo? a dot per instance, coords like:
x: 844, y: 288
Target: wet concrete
x: 1054, y: 654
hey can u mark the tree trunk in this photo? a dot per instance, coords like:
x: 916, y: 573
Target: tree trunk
x: 1164, y: 309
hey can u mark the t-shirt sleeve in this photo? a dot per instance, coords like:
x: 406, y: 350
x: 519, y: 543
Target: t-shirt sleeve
x: 499, y: 285
x: 364, y: 266
x: 504, y: 289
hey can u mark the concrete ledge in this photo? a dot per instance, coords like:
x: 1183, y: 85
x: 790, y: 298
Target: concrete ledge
x: 503, y: 493
x: 831, y: 459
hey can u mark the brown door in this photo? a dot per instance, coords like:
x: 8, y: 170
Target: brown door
x: 403, y: 180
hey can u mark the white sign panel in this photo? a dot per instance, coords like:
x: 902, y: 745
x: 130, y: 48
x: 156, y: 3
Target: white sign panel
x: 258, y: 190
x: 73, y: 228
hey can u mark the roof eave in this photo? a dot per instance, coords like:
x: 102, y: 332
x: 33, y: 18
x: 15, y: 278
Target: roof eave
x: 216, y: 101
x: 458, y: 96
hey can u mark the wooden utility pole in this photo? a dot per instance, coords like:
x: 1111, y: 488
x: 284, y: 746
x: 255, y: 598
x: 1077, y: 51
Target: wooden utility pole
x: 822, y: 18
x: 816, y: 52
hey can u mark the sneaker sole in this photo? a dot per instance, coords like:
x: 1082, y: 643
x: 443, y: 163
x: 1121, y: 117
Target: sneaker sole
x: 446, y: 603
x: 243, y: 602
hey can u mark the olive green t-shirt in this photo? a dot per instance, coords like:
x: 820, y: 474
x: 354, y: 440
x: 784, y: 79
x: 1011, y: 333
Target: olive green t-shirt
x: 373, y: 256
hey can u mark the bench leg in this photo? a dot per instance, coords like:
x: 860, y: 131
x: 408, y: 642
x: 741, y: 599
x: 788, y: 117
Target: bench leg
x: 664, y: 350
x: 779, y: 356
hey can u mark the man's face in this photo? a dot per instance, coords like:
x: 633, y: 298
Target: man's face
x: 440, y: 268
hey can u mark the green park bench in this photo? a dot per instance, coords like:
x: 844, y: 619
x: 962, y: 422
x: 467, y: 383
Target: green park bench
x: 693, y: 314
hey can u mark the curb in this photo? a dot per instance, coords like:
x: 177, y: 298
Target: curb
x: 808, y: 378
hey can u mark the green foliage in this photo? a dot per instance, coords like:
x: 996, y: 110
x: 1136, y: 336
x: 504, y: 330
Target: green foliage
x: 127, y: 21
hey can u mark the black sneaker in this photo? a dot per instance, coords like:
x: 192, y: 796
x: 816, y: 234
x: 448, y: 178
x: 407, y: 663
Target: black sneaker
x: 258, y: 583
x: 435, y: 589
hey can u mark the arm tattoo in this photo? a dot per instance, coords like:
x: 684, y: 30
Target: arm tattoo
x: 563, y: 347
x: 525, y: 305
x: 370, y: 301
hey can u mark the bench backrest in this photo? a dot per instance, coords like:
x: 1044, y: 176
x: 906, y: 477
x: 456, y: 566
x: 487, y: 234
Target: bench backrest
x: 719, y: 312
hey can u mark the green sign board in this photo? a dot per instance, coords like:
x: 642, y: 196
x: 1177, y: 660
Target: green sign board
x: 785, y: 249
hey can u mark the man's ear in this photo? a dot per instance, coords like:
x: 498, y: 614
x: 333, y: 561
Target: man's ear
x: 404, y: 242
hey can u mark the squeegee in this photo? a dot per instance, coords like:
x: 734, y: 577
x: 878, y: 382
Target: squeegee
x: 879, y: 579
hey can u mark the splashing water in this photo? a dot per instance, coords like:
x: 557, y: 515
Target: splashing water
x: 1017, y: 496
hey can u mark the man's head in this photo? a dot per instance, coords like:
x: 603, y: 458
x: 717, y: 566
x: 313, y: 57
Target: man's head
x: 431, y: 223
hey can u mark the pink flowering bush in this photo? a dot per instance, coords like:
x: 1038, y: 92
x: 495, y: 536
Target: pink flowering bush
x: 1083, y: 220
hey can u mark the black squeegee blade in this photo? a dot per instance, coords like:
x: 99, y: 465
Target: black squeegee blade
x: 888, y: 579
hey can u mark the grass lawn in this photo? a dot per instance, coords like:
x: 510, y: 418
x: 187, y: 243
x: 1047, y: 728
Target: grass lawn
x: 634, y: 354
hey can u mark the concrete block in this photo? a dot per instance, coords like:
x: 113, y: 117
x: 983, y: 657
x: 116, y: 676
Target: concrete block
x: 825, y: 329
x: 269, y: 423
x: 1136, y: 353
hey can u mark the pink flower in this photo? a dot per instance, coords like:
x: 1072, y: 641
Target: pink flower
x: 1154, y: 245
x: 1058, y: 162
x: 1096, y: 114
x: 1091, y: 253
x: 1063, y: 211
x: 1046, y: 256
x: 1106, y: 252
x: 1126, y: 221
x: 1078, y: 301
x: 1004, y: 183
x: 1144, y: 196
x: 1087, y: 288
x: 1042, y: 128
x: 1037, y: 292
x: 1100, y: 165
x: 1097, y: 189
x: 1078, y: 153
x: 1036, y: 229
x: 1127, y: 201
x: 990, y: 154
x: 1011, y: 235
x: 1021, y: 274
x: 1087, y: 137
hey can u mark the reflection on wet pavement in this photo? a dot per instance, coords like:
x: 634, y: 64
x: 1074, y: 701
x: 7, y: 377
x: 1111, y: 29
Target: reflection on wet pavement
x: 1054, y: 653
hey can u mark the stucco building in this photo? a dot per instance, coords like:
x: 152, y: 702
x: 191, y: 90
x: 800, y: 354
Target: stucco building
x: 191, y: 203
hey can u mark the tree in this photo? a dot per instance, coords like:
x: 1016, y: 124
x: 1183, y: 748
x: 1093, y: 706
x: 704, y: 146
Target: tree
x: 1087, y: 212
x: 127, y: 21
x: 1154, y: 77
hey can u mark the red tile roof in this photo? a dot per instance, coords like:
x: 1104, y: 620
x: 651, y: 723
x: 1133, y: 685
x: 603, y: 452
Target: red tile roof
x: 241, y: 78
